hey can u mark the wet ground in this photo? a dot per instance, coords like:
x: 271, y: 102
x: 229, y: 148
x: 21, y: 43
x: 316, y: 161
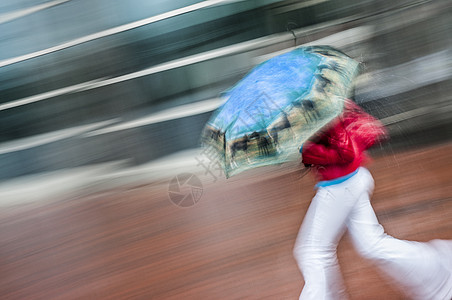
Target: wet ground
x: 234, y: 243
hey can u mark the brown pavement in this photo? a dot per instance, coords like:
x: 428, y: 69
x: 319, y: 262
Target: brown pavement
x: 235, y: 243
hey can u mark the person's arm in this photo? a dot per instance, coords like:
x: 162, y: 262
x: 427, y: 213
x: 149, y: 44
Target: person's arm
x: 339, y: 149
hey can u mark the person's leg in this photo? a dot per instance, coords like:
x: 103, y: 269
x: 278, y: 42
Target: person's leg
x: 419, y: 268
x: 315, y: 247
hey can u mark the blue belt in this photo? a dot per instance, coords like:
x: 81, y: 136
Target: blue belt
x: 336, y: 180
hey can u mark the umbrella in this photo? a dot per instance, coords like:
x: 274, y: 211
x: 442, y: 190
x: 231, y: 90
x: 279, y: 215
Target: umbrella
x: 277, y: 106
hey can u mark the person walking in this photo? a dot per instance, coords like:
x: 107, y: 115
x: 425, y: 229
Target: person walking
x: 337, y: 156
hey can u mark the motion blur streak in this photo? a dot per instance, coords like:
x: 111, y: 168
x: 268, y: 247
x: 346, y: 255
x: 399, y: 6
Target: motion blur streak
x: 342, y: 38
x: 24, y: 12
x: 108, y: 32
x: 102, y: 103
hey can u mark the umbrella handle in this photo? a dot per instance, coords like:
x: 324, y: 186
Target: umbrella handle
x: 303, y: 171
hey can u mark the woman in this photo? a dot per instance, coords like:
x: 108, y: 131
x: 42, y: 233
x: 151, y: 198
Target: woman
x: 342, y: 201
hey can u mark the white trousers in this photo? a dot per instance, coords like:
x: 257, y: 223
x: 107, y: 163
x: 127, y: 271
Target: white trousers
x: 422, y: 270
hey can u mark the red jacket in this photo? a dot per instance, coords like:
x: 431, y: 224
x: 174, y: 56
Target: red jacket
x: 340, y: 148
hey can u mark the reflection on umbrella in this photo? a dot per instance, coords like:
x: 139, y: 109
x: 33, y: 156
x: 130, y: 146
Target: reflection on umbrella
x: 278, y: 106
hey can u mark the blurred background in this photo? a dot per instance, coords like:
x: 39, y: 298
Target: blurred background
x: 90, y: 82
x: 102, y: 103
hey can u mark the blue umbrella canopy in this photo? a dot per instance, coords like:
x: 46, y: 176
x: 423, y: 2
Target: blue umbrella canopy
x: 279, y: 105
